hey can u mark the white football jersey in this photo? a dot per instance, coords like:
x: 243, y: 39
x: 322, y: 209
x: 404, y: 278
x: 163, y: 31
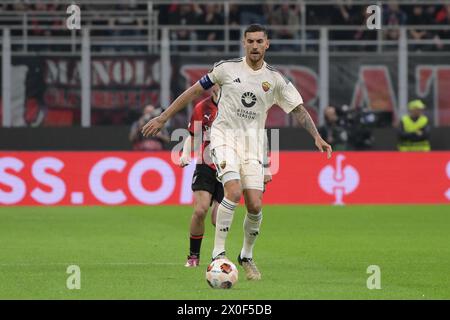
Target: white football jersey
x: 245, y: 99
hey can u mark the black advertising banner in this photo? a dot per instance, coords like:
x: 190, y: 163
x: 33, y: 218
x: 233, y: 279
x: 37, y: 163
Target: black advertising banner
x: 429, y: 80
x: 46, y: 91
x: 357, y: 80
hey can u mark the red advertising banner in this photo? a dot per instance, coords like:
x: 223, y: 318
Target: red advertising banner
x: 139, y: 178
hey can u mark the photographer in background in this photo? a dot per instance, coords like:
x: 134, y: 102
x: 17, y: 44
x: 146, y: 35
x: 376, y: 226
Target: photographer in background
x: 414, y: 130
x: 333, y: 132
x: 358, y: 124
x: 141, y: 143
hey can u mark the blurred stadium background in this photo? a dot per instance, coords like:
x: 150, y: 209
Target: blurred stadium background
x: 72, y: 102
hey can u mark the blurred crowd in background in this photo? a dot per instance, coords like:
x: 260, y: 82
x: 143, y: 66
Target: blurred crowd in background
x: 345, y: 128
x: 344, y: 12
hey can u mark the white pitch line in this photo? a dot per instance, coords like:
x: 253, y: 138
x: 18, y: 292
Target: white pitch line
x: 29, y: 264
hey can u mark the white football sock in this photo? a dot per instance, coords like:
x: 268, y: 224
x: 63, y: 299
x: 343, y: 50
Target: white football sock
x: 252, y: 222
x: 224, y: 218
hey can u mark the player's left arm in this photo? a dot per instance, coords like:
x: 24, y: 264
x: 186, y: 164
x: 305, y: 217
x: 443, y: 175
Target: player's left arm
x: 305, y: 120
x: 290, y: 100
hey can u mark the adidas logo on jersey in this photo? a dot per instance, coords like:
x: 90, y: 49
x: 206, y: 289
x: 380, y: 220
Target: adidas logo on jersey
x: 237, y: 80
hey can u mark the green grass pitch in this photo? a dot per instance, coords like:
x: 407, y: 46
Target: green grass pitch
x: 303, y: 252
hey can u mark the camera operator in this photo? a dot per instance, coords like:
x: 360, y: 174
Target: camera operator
x: 141, y: 143
x: 333, y: 131
x: 358, y: 124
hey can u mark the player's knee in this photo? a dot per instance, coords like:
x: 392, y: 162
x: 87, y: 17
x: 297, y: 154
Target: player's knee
x: 200, y: 212
x: 255, y: 206
x: 234, y: 195
x: 232, y: 186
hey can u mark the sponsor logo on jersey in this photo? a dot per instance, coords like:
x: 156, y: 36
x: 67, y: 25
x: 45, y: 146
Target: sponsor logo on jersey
x: 248, y: 99
x: 246, y: 114
x: 266, y: 86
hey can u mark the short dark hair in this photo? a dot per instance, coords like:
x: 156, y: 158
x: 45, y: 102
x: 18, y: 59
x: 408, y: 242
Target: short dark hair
x: 256, y: 27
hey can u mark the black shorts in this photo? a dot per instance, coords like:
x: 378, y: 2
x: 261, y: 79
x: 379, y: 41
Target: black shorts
x: 204, y: 179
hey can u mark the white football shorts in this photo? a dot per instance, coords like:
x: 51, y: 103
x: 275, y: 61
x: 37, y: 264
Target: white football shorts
x: 227, y: 159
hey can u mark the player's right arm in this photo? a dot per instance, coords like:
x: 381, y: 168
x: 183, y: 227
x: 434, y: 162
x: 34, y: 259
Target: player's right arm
x: 193, y: 141
x: 190, y: 145
x: 185, y: 158
x: 214, y: 76
x: 154, y: 125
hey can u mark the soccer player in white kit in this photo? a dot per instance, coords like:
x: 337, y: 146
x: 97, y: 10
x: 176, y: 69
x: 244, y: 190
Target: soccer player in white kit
x: 249, y: 88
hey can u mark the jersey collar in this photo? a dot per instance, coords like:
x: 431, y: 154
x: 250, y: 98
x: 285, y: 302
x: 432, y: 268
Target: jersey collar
x: 249, y: 69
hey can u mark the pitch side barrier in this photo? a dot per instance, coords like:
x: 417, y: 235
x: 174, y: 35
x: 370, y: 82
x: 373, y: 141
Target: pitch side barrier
x: 115, y: 138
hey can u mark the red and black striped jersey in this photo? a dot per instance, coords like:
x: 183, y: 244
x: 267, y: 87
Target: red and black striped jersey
x: 203, y: 116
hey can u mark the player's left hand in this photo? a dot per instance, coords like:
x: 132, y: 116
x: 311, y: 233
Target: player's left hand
x: 323, y: 146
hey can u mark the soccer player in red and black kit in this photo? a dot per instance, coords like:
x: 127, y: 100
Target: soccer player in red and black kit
x: 208, y: 191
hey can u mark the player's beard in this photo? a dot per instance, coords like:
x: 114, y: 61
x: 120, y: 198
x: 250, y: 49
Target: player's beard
x: 255, y: 57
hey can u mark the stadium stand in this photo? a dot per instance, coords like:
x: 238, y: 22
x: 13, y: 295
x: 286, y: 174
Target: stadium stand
x: 131, y: 35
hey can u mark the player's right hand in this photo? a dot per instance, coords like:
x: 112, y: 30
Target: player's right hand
x: 185, y: 161
x: 153, y: 127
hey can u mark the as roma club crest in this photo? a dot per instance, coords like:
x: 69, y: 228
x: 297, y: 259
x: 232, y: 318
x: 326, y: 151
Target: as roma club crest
x: 223, y: 164
x: 266, y: 86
